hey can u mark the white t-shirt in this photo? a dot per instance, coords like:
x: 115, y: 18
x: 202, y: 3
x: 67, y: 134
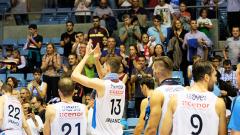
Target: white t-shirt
x: 201, y: 21
x: 168, y: 91
x: 165, y: 12
x: 70, y: 119
x: 109, y: 109
x: 12, y: 116
x: 35, y: 130
x: 195, y: 114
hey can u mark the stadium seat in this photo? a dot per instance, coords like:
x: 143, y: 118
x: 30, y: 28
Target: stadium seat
x: 29, y: 77
x: 60, y: 50
x: 10, y: 42
x: 21, y: 41
x: 178, y: 75
x: 131, y: 122
x: 46, y: 41
x: 43, y: 50
x: 56, y: 41
x: 3, y: 77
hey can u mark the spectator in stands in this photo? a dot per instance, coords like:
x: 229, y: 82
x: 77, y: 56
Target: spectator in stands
x: 196, y: 42
x: 216, y: 62
x: 51, y: 65
x: 81, y: 51
x: 129, y: 33
x: 157, y: 33
x: 145, y: 45
x: 12, y: 81
x: 34, y: 121
x: 79, y: 39
x: 233, y: 47
x: 111, y: 50
x: 34, y: 44
x: 37, y: 104
x: 20, y: 9
x: 133, y: 57
x: 233, y: 8
x: 20, y: 66
x: 212, y: 9
x: 82, y: 11
x: 141, y: 13
x: 152, y: 3
x: 104, y: 41
x: 185, y: 16
x: 195, y: 59
x: 103, y: 11
x: 228, y: 74
x: 166, y: 12
x: 72, y: 63
x: 68, y: 39
x: 24, y: 95
x: 204, y: 24
x: 140, y: 70
x: 96, y: 33
x: 37, y: 87
x: 158, y: 52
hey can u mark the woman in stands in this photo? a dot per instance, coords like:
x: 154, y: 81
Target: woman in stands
x: 20, y: 62
x: 51, y: 65
x: 158, y: 52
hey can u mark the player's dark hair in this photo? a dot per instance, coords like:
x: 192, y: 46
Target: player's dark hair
x: 148, y: 81
x: 200, y: 69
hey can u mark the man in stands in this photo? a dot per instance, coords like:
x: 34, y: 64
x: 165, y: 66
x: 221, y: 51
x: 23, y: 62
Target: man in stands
x: 12, y: 119
x: 109, y: 103
x: 68, y: 39
x: 197, y: 110
x: 67, y: 116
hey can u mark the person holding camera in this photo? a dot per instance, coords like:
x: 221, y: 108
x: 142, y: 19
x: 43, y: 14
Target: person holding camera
x: 140, y: 70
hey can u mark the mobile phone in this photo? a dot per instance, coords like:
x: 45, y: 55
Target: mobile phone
x: 29, y: 110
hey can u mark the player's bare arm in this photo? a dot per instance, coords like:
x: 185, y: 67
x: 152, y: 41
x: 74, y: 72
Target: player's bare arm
x: 140, y: 126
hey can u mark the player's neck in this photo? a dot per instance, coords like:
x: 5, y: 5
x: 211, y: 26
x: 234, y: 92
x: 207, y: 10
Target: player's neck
x: 149, y: 93
x: 66, y: 99
x: 200, y: 86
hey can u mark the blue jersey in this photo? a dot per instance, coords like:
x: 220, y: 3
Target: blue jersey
x: 234, y: 123
x: 147, y: 113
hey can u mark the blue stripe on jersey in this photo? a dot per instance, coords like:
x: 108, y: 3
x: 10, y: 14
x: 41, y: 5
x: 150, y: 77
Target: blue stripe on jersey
x: 94, y: 123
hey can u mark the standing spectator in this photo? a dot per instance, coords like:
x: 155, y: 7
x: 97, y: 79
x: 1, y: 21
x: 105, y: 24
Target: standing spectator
x: 195, y: 59
x: 34, y: 44
x: 37, y: 104
x: 79, y: 39
x: 68, y: 39
x: 96, y: 33
x: 51, y: 64
x: 82, y: 11
x: 103, y: 11
x: 157, y: 53
x: 233, y: 8
x: 72, y: 63
x: 141, y: 13
x: 228, y: 74
x: 185, y: 16
x: 145, y: 45
x: 129, y: 33
x: 111, y: 50
x: 204, y: 24
x: 197, y: 43
x: 37, y: 87
x: 233, y: 47
x: 212, y: 9
x: 166, y: 12
x: 20, y: 9
x: 140, y: 71
x: 157, y: 33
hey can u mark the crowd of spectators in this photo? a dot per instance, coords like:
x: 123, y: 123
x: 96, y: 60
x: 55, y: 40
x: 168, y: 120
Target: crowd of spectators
x: 173, y: 33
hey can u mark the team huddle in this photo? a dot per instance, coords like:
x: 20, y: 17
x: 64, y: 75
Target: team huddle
x: 169, y: 109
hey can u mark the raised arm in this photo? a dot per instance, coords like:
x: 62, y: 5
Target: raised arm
x: 95, y: 83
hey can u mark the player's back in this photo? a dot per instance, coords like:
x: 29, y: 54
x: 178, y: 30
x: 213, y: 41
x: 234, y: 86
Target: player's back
x: 109, y: 109
x: 195, y: 114
x: 168, y: 91
x: 70, y: 119
x: 12, y: 116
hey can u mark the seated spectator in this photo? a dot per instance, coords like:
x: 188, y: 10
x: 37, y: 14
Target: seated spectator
x: 111, y: 50
x: 195, y: 59
x: 34, y: 121
x: 216, y: 62
x: 51, y: 65
x: 233, y: 47
x: 104, y: 41
x: 37, y: 104
x: 21, y: 62
x: 185, y: 16
x: 79, y: 39
x: 13, y: 82
x: 204, y: 24
x: 196, y: 42
x: 25, y: 95
x: 158, y: 52
x: 96, y: 33
x: 129, y: 33
x: 157, y: 33
x: 37, y: 87
x: 228, y: 74
x: 145, y: 45
x: 34, y: 44
x: 103, y: 11
x: 72, y: 63
x: 82, y: 11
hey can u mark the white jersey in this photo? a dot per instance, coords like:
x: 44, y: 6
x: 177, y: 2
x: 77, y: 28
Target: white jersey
x: 13, y: 116
x: 168, y: 91
x: 195, y: 114
x: 109, y: 109
x: 70, y: 119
